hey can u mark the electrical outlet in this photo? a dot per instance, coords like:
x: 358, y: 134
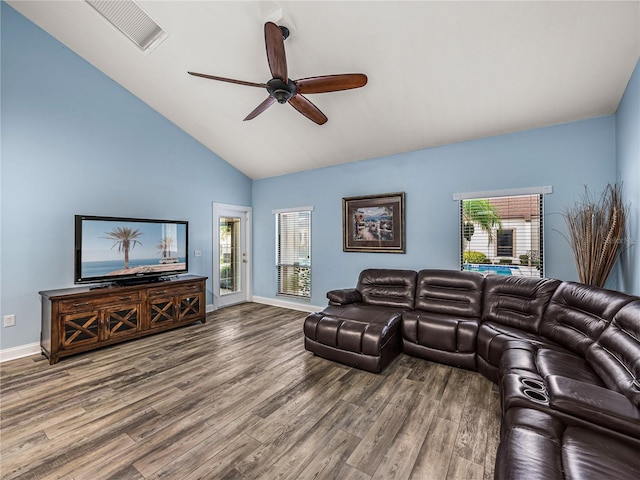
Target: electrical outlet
x: 197, y: 253
x: 9, y: 320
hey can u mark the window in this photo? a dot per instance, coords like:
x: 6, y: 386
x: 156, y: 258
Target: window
x: 502, y: 234
x: 293, y: 252
x: 230, y: 254
x: 505, y: 243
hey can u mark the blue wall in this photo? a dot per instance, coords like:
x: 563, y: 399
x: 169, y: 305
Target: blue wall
x: 74, y: 141
x: 567, y: 157
x: 628, y: 153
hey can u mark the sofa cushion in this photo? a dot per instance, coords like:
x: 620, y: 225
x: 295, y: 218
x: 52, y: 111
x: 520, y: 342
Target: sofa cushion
x: 444, y: 325
x: 538, y: 445
x: 493, y: 340
x: 517, y: 302
x: 578, y: 314
x: 442, y: 332
x: 590, y: 454
x: 440, y: 338
x: 615, y: 356
x: 365, y: 314
x: 388, y: 288
x: 530, y: 446
x: 543, y: 361
x: 449, y: 292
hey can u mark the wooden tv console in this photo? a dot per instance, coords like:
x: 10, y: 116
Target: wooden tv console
x: 75, y: 320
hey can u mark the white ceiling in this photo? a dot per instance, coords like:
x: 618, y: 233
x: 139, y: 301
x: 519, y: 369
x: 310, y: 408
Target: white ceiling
x: 439, y: 72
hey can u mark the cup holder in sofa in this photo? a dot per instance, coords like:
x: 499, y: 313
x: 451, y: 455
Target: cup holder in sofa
x: 533, y: 384
x: 537, y: 396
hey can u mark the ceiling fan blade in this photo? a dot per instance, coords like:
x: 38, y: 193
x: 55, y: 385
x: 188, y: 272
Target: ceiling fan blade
x: 276, y: 57
x: 331, y: 83
x: 228, y: 80
x: 308, y: 109
x: 260, y: 108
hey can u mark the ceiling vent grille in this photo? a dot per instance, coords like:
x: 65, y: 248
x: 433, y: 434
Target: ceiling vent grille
x: 132, y: 21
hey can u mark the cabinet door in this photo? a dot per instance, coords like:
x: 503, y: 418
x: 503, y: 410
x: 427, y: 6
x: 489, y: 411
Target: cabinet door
x: 79, y: 329
x: 190, y: 307
x: 162, y: 312
x: 121, y: 321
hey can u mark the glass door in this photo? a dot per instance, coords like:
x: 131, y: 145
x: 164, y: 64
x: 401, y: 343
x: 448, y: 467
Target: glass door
x: 231, y: 259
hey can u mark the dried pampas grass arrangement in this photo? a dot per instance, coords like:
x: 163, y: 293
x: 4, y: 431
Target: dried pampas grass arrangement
x: 596, y: 232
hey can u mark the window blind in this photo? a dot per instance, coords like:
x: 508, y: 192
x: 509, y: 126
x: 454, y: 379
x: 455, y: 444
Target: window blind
x: 293, y: 253
x: 502, y: 235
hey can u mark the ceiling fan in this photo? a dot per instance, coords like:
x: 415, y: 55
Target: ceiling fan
x: 282, y: 89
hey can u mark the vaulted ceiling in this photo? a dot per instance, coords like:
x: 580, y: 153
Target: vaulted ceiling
x: 439, y: 72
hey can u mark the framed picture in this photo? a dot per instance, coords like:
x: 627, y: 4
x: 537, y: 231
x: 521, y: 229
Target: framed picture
x: 373, y: 223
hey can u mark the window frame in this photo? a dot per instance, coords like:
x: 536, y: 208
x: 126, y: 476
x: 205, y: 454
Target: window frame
x: 302, y: 292
x: 536, y: 257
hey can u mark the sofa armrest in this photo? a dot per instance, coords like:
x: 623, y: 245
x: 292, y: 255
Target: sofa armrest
x: 596, y: 404
x: 344, y: 296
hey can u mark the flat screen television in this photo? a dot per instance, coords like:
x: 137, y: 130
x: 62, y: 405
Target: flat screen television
x: 129, y: 250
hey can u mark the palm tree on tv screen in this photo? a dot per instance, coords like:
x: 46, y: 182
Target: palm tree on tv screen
x: 125, y: 239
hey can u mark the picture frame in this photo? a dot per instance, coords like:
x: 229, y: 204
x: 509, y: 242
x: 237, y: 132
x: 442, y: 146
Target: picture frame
x: 374, y: 223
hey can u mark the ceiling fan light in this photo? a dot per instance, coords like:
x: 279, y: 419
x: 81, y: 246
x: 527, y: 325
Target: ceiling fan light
x: 282, y: 96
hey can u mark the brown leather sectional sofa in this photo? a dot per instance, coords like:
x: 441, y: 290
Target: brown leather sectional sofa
x: 565, y: 355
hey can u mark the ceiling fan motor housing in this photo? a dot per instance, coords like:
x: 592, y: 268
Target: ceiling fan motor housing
x: 280, y: 90
x: 285, y: 31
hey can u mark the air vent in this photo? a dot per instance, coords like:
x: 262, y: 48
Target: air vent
x: 132, y: 21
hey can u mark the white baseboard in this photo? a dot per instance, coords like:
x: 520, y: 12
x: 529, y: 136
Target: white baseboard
x: 210, y: 308
x: 19, y: 352
x: 276, y: 302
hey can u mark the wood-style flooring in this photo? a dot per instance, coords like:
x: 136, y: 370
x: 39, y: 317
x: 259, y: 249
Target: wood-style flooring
x: 240, y: 398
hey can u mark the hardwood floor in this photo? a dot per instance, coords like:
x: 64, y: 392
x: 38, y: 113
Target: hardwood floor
x: 240, y: 398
